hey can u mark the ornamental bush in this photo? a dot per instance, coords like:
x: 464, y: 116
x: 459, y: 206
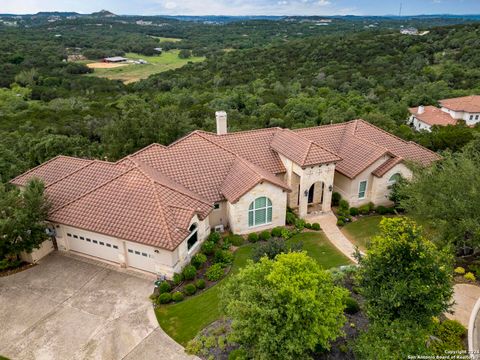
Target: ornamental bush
x: 450, y: 334
x: 341, y: 222
x: 164, y: 287
x: 223, y: 257
x: 336, y: 197
x: 286, y: 234
x: 293, y: 287
x: 253, y: 237
x: 189, y: 272
x: 290, y: 218
x: 215, y: 272
x: 200, y: 284
x: 351, y: 306
x: 177, y: 278
x: 177, y: 296
x: 190, y: 289
x: 198, y: 260
x: 316, y: 227
x: 364, y: 209
x: 354, y: 211
x: 272, y: 248
x: 421, y: 285
x: 459, y: 270
x: 469, y: 276
x: 308, y: 225
x: 164, y: 298
x: 264, y: 235
x: 276, y: 231
x: 235, y: 240
x: 208, y: 247
x: 343, y: 204
x: 214, y: 237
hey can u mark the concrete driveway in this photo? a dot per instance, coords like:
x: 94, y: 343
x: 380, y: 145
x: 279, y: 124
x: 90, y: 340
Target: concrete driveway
x: 67, y: 308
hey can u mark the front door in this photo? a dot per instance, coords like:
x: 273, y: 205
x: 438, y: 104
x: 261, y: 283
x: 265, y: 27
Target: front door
x: 310, y: 193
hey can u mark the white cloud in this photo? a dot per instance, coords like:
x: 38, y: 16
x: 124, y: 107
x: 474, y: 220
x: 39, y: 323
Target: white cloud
x: 170, y: 5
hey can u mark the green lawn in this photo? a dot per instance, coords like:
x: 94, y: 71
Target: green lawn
x: 184, y: 320
x: 166, y: 39
x: 361, y: 231
x: 133, y: 72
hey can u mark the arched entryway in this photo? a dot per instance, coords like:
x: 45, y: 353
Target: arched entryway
x: 315, y: 196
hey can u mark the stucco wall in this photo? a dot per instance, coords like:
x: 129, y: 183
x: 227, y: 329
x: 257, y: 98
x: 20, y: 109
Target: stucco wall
x: 45, y: 248
x: 238, y: 212
x: 420, y: 125
x: 219, y: 216
x: 159, y: 260
x: 381, y: 187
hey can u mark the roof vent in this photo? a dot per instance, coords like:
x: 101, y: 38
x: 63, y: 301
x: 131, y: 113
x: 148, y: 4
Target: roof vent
x: 221, y: 118
x: 421, y: 109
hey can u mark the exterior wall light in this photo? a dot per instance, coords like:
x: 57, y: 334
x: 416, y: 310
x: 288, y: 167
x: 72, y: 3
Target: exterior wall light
x: 330, y: 188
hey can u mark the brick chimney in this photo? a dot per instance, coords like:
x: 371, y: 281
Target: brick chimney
x: 421, y: 109
x: 221, y: 117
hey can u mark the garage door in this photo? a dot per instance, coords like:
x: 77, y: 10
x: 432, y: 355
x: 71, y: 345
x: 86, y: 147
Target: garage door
x: 101, y: 248
x: 140, y: 257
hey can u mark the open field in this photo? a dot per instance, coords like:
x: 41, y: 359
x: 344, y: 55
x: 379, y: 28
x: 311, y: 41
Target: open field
x: 104, y: 65
x: 166, y: 39
x: 129, y: 73
x: 184, y: 320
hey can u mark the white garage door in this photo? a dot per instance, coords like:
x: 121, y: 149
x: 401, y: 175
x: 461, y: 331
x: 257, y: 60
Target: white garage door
x: 140, y: 257
x: 102, y: 248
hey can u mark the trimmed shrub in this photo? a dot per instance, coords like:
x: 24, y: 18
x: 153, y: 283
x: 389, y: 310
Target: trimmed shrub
x: 214, y: 237
x: 451, y: 334
x: 215, y: 272
x: 200, y: 284
x: 223, y: 257
x: 177, y: 278
x: 164, y: 287
x: 190, y: 289
x: 165, y: 298
x: 273, y: 247
x: 336, y: 197
x: 351, y: 306
x: 189, y: 272
x: 194, y: 347
x: 340, y: 222
x: 469, y: 276
x: 381, y: 210
x: 300, y: 224
x: 198, y: 260
x: 343, y: 204
x: 308, y: 225
x: 364, y: 209
x: 371, y: 206
x: 459, y: 270
x: 177, y: 296
x: 238, y: 354
x: 235, y: 240
x: 286, y: 234
x: 253, y: 237
x: 264, y: 235
x: 276, y: 231
x: 208, y: 247
x: 354, y: 211
x: 316, y: 227
x: 290, y: 218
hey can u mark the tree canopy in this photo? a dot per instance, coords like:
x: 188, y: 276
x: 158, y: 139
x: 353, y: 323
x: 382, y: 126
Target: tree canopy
x: 284, y: 308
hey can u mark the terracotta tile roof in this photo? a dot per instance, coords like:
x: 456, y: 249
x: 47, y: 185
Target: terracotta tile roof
x: 139, y: 204
x: 52, y: 170
x: 433, y: 116
x: 301, y: 150
x: 465, y: 103
x: 360, y: 144
x: 243, y: 176
x: 387, y: 165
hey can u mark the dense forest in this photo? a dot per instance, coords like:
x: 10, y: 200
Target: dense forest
x: 286, y: 72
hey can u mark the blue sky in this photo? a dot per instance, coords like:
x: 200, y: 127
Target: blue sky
x: 246, y: 7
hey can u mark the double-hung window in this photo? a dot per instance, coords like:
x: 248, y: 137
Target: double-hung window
x: 260, y: 212
x: 362, y: 189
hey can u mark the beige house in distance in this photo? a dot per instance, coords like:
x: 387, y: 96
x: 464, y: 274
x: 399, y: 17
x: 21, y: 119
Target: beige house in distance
x: 152, y: 210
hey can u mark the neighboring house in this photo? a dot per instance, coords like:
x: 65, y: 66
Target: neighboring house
x: 409, y: 31
x: 153, y: 209
x: 466, y: 108
x: 115, y: 59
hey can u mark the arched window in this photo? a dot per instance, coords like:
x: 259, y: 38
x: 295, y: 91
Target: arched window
x: 260, y: 212
x: 193, y: 237
x: 394, y: 178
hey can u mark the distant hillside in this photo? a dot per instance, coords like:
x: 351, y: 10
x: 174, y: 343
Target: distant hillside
x: 103, y: 13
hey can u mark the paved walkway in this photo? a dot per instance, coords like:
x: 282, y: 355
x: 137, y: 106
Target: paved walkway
x: 67, y: 308
x: 465, y: 297
x: 328, y: 223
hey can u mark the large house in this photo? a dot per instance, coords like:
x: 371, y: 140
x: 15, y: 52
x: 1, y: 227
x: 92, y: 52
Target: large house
x: 465, y: 108
x: 151, y: 210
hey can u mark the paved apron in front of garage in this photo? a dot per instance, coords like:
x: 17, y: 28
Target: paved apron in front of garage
x: 66, y: 308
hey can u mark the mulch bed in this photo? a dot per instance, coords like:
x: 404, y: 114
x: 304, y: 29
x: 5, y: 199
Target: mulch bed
x: 23, y: 266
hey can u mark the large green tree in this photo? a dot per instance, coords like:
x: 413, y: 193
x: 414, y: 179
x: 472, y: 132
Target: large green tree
x: 446, y: 195
x: 403, y: 275
x: 284, y: 308
x: 22, y: 220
